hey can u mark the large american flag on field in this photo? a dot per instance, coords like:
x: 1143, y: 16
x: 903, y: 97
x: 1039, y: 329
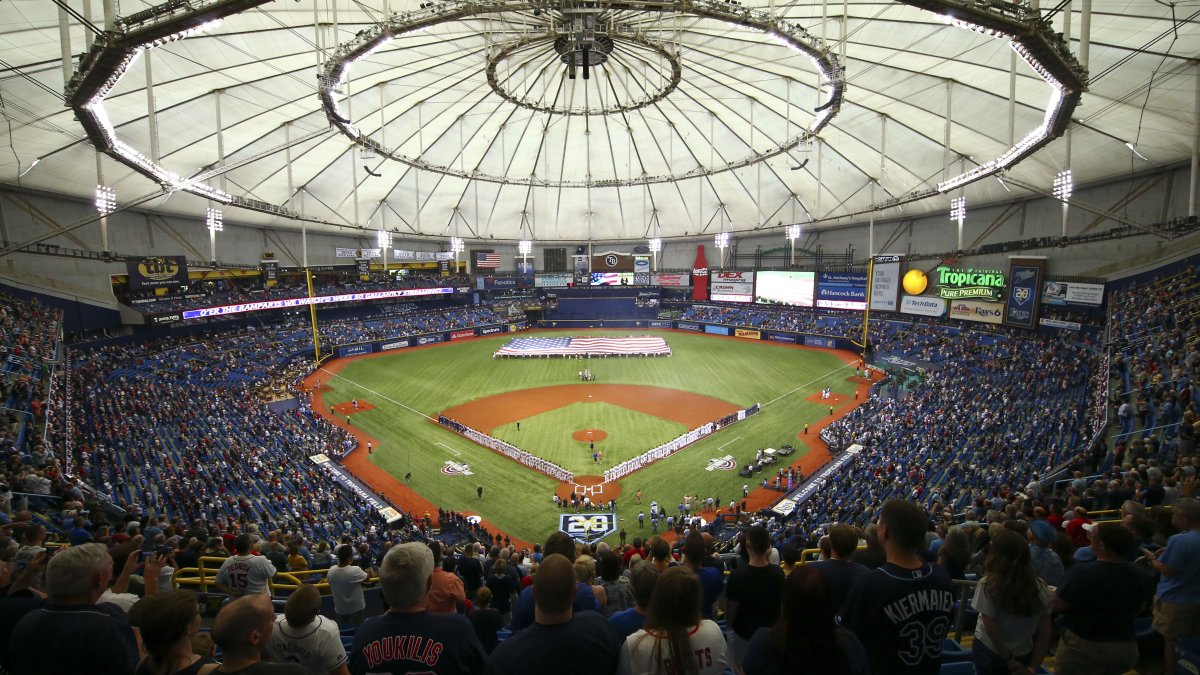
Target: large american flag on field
x: 585, y: 346
x: 487, y: 260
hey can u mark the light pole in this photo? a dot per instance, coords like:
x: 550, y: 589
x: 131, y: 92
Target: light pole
x: 1064, y: 185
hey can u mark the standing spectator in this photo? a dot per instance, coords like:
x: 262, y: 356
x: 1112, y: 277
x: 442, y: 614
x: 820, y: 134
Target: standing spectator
x: 486, y: 620
x: 752, y: 595
x: 345, y: 584
x: 558, y: 635
x: 839, y: 571
x: 676, y: 638
x: 902, y: 610
x: 1100, y: 601
x: 1177, y: 603
x: 618, y: 595
x: 524, y: 612
x: 168, y: 623
x: 305, y: 637
x: 436, y: 643
x: 244, y: 573
x: 470, y: 568
x: 642, y: 582
x: 446, y: 592
x: 241, y: 631
x: 712, y: 580
x: 71, y: 633
x: 806, y: 639
x: 502, y: 586
x: 1046, y: 563
x: 1013, y: 632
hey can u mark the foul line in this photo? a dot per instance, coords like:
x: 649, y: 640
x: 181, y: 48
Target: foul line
x: 733, y: 441
x: 456, y: 453
x: 386, y: 398
x: 806, y: 385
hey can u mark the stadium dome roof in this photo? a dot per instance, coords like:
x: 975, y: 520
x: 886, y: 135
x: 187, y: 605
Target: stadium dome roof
x: 691, y: 117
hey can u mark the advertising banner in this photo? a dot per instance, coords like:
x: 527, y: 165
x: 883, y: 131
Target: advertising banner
x: 716, y: 330
x: 747, y: 333
x: 922, y: 305
x: 428, y: 339
x: 683, y: 325
x: 612, y: 278
x: 732, y: 287
x: 786, y: 288
x: 372, y: 253
x: 1065, y: 325
x: 1072, y: 293
x: 341, y: 252
x: 159, y: 319
x: 822, y: 342
x: 958, y: 283
x: 842, y: 290
x: 462, y: 334
x: 583, y: 275
x: 288, y: 303
x: 885, y: 283
x: 396, y: 344
x: 782, y: 337
x: 641, y: 270
x: 363, y: 265
x: 346, y: 481
x: 818, y: 481
x: 700, y: 275
x: 1025, y: 276
x: 160, y: 271
x: 491, y: 330
x: 561, y: 280
x: 660, y: 324
x: 502, y: 282
x: 973, y: 310
x: 671, y: 280
x: 355, y: 350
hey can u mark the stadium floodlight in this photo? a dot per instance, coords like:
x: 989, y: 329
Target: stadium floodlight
x: 958, y: 209
x: 106, y: 199
x: 793, y: 232
x: 655, y: 245
x: 1064, y: 185
x: 214, y: 219
x: 457, y: 245
x: 383, y: 239
x: 722, y: 240
x: 524, y: 247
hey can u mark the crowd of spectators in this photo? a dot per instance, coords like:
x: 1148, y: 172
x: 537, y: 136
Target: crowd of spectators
x: 217, y: 292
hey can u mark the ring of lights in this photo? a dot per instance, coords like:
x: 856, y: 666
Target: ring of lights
x: 111, y: 54
x: 336, y: 70
x: 516, y: 45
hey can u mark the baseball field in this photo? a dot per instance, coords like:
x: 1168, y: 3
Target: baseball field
x: 539, y: 405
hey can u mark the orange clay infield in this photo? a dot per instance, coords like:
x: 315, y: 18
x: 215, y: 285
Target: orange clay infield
x: 485, y: 414
x: 589, y: 435
x: 347, y: 408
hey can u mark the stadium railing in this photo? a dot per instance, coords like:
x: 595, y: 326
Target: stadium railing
x: 204, y: 576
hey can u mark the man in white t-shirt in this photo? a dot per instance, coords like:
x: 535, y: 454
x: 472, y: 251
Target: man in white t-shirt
x: 305, y: 637
x: 345, y: 583
x: 244, y: 573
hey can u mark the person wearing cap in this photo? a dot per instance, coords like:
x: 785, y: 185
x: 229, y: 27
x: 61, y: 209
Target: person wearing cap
x: 408, y: 638
x: 1099, y: 601
x: 1177, y: 601
x: 1046, y: 563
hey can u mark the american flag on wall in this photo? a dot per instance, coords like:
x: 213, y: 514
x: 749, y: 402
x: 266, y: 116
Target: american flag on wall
x: 585, y: 346
x: 487, y: 260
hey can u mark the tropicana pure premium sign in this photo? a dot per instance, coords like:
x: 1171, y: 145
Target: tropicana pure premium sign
x: 960, y: 283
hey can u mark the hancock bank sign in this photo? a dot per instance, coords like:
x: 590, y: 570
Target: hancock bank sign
x: 960, y: 283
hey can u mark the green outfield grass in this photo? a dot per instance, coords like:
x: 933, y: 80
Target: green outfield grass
x: 411, y: 385
x: 548, y: 435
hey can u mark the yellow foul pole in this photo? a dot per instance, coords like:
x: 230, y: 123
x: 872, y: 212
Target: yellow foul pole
x: 867, y: 311
x: 312, y: 312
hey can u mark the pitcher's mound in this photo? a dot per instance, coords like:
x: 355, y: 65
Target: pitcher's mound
x: 347, y: 407
x: 589, y: 435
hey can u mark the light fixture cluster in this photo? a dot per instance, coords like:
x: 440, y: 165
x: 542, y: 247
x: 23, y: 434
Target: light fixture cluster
x: 214, y: 219
x: 106, y: 200
x: 1064, y: 185
x: 655, y: 245
x: 793, y: 232
x: 525, y: 247
x: 958, y: 209
x: 383, y: 239
x: 457, y: 245
x: 722, y: 240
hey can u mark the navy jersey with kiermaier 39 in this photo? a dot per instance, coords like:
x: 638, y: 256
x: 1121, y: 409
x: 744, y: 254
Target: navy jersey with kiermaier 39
x: 901, y: 617
x: 417, y: 642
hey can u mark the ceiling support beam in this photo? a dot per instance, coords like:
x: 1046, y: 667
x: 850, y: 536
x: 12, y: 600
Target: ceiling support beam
x: 64, y: 42
x: 1194, y: 184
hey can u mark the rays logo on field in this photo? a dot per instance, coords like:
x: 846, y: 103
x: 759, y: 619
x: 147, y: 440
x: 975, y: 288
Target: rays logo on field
x: 587, y: 527
x: 452, y: 468
x: 725, y: 463
x: 474, y: 520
